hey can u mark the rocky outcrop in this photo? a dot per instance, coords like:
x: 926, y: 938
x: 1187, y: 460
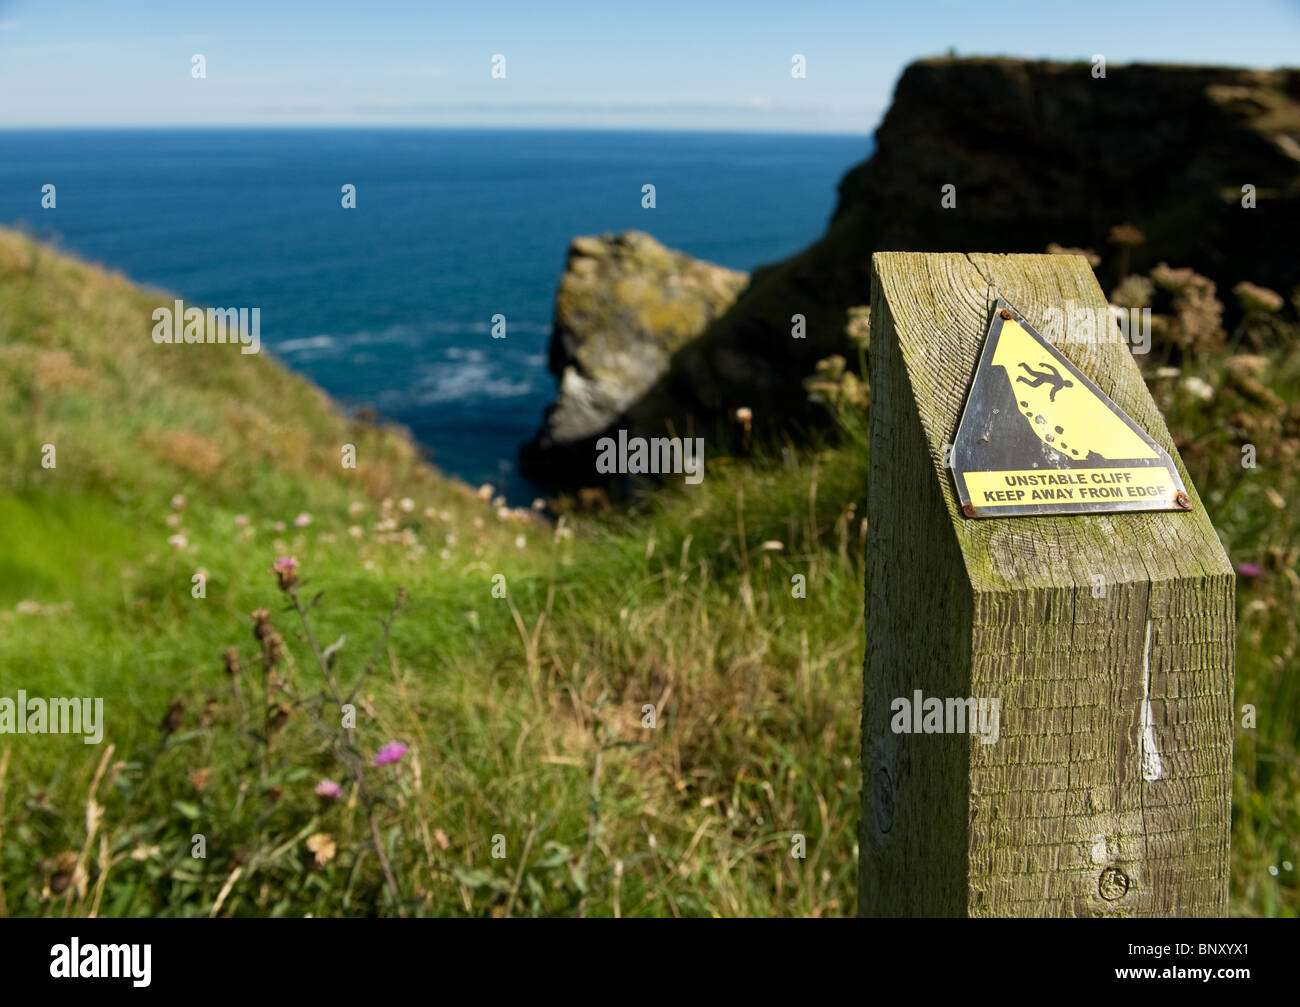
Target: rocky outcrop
x: 625, y: 306
x: 1038, y: 153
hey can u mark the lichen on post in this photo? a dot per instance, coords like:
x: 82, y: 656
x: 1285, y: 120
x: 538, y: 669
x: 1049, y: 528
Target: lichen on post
x: 1105, y: 639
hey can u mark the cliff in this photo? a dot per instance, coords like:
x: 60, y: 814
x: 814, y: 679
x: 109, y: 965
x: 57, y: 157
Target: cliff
x: 1038, y: 152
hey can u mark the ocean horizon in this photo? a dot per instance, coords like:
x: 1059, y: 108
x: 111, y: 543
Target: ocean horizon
x: 389, y: 306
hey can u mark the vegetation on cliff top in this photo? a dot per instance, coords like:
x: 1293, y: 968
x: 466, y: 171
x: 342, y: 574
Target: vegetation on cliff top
x: 482, y: 721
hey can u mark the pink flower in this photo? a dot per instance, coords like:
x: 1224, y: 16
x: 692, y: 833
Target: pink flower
x: 286, y: 569
x: 329, y: 790
x: 391, y: 752
x: 1249, y: 570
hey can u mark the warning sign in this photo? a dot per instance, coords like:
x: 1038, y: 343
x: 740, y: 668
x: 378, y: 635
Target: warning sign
x: 1038, y: 437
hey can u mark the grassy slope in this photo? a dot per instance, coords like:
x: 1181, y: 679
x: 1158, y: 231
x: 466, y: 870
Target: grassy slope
x: 523, y: 714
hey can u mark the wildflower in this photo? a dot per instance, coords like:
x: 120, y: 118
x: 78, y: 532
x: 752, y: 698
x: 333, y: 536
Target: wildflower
x: 271, y: 641
x: 262, y: 627
x: 273, y: 650
x: 858, y: 327
x: 1134, y: 291
x: 231, y: 657
x: 277, y: 716
x: 302, y: 520
x: 172, y: 719
x: 391, y: 752
x: 1125, y: 237
x: 178, y: 541
x: 199, y: 778
x: 539, y: 504
x: 1249, y: 570
x: 63, y: 872
x: 355, y: 508
x: 173, y: 520
x: 1196, y: 313
x: 1094, y: 260
x: 241, y: 520
x: 520, y: 541
x: 485, y: 492
x: 322, y: 845
x: 329, y: 790
x: 355, y: 530
x: 1257, y: 300
x: 178, y: 502
x: 407, y: 505
x: 286, y: 569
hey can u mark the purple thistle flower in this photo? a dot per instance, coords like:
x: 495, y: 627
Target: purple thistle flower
x: 391, y: 752
x: 1249, y: 570
x: 329, y: 790
x: 286, y: 569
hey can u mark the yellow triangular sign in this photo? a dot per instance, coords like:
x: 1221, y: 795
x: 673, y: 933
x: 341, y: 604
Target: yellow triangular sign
x: 1038, y: 437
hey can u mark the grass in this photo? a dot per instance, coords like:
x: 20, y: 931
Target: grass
x: 523, y: 715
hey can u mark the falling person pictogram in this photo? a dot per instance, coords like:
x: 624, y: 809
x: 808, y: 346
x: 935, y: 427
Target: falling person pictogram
x: 1078, y: 425
x: 1054, y: 377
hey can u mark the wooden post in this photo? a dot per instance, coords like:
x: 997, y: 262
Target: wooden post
x: 1107, y: 640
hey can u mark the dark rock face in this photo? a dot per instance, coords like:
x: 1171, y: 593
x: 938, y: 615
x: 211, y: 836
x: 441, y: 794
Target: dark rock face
x: 1045, y: 152
x: 1038, y: 152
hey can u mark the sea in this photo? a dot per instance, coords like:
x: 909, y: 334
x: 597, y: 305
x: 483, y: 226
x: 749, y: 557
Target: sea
x: 389, y: 306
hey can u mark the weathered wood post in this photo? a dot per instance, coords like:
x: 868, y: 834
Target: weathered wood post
x: 1106, y: 637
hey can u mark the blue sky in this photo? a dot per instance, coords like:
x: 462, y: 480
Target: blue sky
x: 572, y: 63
